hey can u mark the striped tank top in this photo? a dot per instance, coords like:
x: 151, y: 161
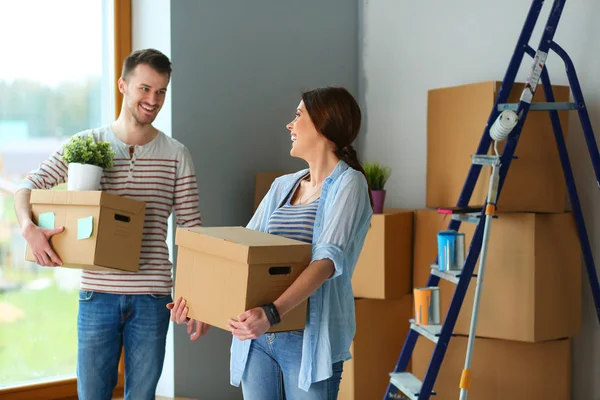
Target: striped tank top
x: 294, y: 221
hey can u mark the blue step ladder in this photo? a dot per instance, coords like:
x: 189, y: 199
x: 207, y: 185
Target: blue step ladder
x: 404, y: 384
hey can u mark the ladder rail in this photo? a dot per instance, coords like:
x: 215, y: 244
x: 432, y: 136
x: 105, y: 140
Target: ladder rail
x: 503, y: 93
x: 524, y: 104
x: 584, y: 117
x: 566, y: 165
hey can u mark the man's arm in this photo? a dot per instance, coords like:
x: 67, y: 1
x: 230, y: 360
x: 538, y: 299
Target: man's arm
x: 186, y: 200
x: 36, y: 237
x: 50, y: 173
x: 23, y: 208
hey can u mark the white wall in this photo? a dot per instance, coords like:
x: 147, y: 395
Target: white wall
x: 151, y: 28
x: 240, y: 68
x: 408, y: 48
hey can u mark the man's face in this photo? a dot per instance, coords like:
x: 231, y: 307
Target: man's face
x: 144, y: 92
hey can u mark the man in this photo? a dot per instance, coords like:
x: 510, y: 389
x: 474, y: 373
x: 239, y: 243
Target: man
x: 118, y: 309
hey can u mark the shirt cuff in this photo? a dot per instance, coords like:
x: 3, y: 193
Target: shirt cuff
x: 322, y: 251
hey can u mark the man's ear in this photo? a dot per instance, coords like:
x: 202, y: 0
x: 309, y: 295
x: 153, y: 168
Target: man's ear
x: 122, y: 84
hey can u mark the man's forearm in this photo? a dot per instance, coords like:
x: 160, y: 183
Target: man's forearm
x: 23, y: 207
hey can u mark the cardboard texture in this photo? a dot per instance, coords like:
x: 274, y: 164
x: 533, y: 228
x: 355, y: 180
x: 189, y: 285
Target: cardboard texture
x: 262, y: 184
x: 383, y: 270
x: 501, y: 369
x: 532, y: 285
x: 381, y: 326
x: 456, y: 118
x: 103, y: 231
x: 224, y: 271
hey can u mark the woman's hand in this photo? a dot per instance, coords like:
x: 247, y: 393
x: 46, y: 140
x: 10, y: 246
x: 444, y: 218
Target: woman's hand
x: 179, y: 311
x: 250, y: 325
x: 179, y: 315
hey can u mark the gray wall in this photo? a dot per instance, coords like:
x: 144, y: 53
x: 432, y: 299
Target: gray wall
x: 407, y: 50
x: 239, y: 69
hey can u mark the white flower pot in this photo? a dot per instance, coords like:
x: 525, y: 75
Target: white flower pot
x: 83, y: 177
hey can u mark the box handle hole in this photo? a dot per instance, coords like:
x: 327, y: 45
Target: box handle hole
x: 122, y: 218
x: 280, y: 270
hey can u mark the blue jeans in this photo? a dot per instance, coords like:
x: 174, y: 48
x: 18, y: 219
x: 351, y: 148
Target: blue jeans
x: 106, y: 323
x: 273, y: 367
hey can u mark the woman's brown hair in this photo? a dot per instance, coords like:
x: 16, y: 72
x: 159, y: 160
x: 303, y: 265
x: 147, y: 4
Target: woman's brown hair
x: 337, y: 116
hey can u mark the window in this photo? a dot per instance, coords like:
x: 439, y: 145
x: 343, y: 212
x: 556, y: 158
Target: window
x: 57, y: 78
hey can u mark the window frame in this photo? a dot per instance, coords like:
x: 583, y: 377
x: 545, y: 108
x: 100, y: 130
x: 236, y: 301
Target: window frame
x: 66, y: 389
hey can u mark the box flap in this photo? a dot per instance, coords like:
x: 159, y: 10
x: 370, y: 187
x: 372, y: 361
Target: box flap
x: 87, y: 198
x: 122, y: 203
x: 244, y: 245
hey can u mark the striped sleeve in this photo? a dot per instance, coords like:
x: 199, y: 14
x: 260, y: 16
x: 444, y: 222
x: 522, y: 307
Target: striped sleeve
x: 186, y: 200
x: 50, y: 173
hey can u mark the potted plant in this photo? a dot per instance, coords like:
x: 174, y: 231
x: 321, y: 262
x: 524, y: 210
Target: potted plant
x: 377, y: 176
x: 86, y: 159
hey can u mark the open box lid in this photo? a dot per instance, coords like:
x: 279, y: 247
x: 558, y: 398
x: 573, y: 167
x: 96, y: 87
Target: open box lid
x: 244, y: 245
x: 87, y: 198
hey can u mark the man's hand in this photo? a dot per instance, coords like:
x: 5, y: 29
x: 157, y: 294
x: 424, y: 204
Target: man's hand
x: 179, y: 315
x: 38, y: 239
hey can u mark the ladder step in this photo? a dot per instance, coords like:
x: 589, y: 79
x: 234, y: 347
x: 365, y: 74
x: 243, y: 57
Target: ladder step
x: 482, y: 159
x: 431, y: 332
x: 456, y: 210
x: 407, y: 383
x: 540, y: 106
x: 451, y: 276
x: 472, y: 218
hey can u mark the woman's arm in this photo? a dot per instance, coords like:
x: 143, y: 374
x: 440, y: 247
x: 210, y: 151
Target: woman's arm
x: 254, y: 322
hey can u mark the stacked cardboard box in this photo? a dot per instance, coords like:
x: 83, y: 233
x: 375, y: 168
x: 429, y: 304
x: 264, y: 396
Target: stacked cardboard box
x: 382, y: 289
x: 531, y: 296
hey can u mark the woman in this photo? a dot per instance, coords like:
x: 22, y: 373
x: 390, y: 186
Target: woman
x: 329, y: 206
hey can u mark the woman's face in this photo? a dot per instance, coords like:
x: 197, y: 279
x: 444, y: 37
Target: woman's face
x: 305, y: 137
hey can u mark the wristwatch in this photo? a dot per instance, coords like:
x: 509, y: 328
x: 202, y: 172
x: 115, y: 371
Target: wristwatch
x: 272, y: 313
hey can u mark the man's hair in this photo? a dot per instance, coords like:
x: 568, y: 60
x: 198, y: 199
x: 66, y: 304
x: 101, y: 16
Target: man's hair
x: 151, y: 57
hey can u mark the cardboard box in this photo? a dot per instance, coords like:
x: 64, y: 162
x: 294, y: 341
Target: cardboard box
x: 501, y: 369
x: 456, y: 118
x: 532, y: 283
x: 383, y: 270
x: 224, y: 271
x: 262, y: 184
x: 381, y: 327
x: 102, y: 231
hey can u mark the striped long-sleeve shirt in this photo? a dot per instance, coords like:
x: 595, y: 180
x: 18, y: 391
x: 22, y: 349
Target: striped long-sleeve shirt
x: 159, y: 173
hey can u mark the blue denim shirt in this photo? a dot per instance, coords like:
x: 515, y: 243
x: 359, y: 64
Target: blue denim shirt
x: 341, y: 224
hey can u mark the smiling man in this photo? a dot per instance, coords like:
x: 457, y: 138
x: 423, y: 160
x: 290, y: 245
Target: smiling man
x: 118, y: 309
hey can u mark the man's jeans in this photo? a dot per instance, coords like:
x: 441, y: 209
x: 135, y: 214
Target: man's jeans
x: 273, y: 368
x: 108, y: 322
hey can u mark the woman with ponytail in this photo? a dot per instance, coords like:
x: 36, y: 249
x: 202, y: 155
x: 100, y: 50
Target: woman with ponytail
x: 327, y: 205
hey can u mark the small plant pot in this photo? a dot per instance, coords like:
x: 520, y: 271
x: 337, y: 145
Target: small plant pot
x: 83, y: 177
x: 378, y: 201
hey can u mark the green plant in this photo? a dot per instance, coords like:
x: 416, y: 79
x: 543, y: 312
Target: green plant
x: 377, y: 175
x: 85, y: 150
